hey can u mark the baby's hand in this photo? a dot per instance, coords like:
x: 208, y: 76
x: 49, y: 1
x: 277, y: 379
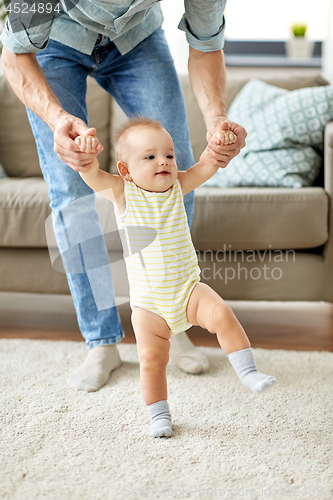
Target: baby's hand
x: 226, y: 137
x: 87, y: 144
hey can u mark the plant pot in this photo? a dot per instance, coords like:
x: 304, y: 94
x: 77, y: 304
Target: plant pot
x: 299, y: 48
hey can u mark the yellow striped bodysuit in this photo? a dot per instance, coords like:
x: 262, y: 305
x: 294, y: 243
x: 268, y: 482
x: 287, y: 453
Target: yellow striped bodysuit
x: 160, y: 258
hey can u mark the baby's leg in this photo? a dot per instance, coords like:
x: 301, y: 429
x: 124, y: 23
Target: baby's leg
x: 152, y: 335
x: 207, y: 309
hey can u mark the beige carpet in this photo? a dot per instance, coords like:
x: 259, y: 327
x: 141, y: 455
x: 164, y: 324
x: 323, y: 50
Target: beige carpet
x: 228, y: 442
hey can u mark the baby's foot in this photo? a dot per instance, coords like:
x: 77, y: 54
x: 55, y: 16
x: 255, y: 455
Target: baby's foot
x: 95, y: 371
x: 258, y: 382
x: 161, y: 425
x: 186, y: 356
x: 246, y: 369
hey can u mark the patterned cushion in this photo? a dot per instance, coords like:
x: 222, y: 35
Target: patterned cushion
x: 2, y: 172
x: 285, y: 136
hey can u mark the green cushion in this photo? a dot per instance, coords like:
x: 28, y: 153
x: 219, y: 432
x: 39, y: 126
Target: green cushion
x: 284, y: 146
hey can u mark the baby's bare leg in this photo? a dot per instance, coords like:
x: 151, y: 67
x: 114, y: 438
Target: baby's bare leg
x: 152, y: 336
x: 208, y: 310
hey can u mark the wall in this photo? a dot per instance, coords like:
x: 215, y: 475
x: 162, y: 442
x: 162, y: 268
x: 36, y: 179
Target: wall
x: 328, y: 47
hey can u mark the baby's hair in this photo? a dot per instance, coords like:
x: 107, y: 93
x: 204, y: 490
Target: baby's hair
x: 136, y: 121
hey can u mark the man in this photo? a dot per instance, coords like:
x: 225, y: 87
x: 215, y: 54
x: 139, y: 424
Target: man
x: 46, y: 59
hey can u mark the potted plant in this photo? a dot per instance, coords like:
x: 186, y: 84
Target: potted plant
x: 299, y: 46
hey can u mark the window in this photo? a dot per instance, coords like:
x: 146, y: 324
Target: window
x: 255, y: 20
x: 271, y: 20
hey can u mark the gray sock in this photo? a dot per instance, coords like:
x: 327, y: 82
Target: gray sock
x: 244, y: 365
x: 95, y: 371
x: 186, y: 356
x: 160, y: 417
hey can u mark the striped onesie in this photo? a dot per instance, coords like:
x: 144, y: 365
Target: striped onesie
x: 160, y: 258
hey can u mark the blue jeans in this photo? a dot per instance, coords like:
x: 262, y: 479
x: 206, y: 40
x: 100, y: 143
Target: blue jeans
x: 143, y: 82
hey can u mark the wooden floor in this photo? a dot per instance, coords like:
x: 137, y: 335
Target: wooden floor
x: 299, y: 326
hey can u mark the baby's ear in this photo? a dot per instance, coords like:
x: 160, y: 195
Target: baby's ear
x: 123, y: 171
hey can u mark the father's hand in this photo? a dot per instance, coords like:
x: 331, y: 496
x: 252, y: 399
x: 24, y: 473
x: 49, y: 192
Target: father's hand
x: 65, y: 132
x: 220, y: 152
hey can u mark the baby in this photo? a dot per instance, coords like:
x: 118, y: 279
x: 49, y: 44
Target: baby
x: 164, y: 277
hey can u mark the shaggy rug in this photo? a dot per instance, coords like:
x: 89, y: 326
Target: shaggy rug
x: 58, y: 444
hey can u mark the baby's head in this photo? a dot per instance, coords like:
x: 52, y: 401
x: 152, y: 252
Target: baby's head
x: 145, y: 155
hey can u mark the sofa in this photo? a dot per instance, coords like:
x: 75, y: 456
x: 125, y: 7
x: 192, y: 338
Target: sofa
x: 253, y: 243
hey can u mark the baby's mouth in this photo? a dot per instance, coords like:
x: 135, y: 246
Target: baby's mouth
x: 163, y: 172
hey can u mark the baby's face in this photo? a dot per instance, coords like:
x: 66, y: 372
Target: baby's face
x: 150, y: 159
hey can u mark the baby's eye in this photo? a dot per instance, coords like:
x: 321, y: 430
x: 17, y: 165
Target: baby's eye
x: 170, y: 157
x: 150, y: 157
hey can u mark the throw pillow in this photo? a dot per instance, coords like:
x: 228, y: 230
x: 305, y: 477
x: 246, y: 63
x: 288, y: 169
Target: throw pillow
x: 2, y: 172
x: 285, y: 138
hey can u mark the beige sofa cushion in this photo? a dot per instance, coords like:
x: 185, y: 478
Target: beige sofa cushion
x: 29, y: 270
x: 282, y: 276
x: 260, y: 218
x: 241, y: 218
x: 18, y: 153
x: 24, y: 207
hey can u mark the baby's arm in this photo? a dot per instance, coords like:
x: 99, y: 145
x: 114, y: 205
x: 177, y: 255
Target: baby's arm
x: 110, y: 186
x: 206, y: 166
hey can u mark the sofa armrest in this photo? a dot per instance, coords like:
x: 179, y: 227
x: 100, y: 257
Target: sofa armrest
x: 328, y: 159
x: 328, y: 185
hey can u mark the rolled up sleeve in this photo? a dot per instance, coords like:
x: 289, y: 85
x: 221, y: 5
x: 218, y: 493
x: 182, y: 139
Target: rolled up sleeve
x: 23, y: 41
x: 204, y: 24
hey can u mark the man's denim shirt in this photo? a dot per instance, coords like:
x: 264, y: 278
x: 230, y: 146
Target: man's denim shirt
x: 125, y: 22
